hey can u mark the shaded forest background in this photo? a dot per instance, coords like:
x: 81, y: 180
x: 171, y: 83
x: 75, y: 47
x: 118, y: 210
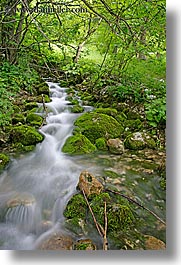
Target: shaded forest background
x: 114, y: 51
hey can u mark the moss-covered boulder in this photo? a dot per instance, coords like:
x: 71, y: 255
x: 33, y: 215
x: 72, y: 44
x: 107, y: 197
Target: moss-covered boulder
x: 107, y: 111
x: 78, y: 144
x: 34, y: 119
x: 4, y: 160
x: 97, y: 125
x: 139, y: 141
x: 25, y: 135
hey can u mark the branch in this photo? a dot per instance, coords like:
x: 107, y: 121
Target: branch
x: 138, y: 204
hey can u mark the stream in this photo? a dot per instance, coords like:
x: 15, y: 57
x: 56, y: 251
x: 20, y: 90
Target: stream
x: 36, y: 187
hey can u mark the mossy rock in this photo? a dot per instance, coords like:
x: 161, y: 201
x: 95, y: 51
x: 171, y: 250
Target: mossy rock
x: 25, y: 135
x: 34, y: 119
x: 121, y: 117
x: 133, y: 125
x: 31, y: 105
x: 139, y: 141
x: 78, y: 144
x: 77, y: 109
x: 43, y: 88
x: 76, y: 207
x: 101, y: 144
x: 18, y: 118
x: 98, y: 125
x: 108, y: 111
x: 4, y: 160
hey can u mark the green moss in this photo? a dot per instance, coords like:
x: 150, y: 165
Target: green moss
x: 43, y: 89
x: 20, y: 148
x: 111, y: 174
x: 77, y: 109
x: 76, y: 208
x: 108, y: 111
x: 120, y: 217
x: 78, y: 144
x: 139, y: 141
x: 25, y: 135
x: 121, y: 117
x: 34, y: 119
x: 133, y: 124
x: 98, y: 125
x: 101, y: 144
x: 31, y: 105
x: 4, y: 160
x: 18, y: 117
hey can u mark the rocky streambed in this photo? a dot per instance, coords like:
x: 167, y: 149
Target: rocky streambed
x: 61, y: 193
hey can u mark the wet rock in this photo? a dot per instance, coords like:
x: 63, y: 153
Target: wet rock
x: 34, y: 119
x: 57, y: 242
x: 116, y: 146
x: 78, y: 144
x: 98, y: 125
x: 4, y: 160
x: 25, y: 135
x: 139, y: 140
x: 20, y: 199
x: 84, y: 244
x: 153, y: 243
x: 89, y: 184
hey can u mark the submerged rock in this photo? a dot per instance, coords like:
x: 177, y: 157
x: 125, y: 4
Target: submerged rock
x: 139, y: 140
x: 78, y: 144
x: 116, y: 146
x: 89, y: 184
x: 97, y: 125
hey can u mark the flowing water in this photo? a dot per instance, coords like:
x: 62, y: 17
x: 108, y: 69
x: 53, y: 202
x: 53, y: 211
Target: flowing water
x: 35, y: 188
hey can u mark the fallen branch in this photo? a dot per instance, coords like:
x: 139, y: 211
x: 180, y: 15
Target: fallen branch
x: 93, y: 216
x: 138, y: 204
x: 105, y: 242
x: 45, y: 110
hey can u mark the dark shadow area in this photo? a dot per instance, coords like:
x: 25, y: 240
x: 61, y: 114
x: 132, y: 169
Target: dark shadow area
x: 170, y: 254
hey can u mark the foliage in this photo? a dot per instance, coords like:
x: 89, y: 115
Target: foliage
x: 12, y: 80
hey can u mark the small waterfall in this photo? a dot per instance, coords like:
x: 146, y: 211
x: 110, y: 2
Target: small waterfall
x: 41, y: 182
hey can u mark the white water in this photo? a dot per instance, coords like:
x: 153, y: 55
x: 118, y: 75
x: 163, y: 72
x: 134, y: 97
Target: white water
x: 36, y: 187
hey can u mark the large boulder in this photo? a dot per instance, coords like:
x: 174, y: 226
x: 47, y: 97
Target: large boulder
x: 139, y: 141
x: 116, y: 146
x: 78, y: 144
x: 97, y: 125
x: 25, y: 135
